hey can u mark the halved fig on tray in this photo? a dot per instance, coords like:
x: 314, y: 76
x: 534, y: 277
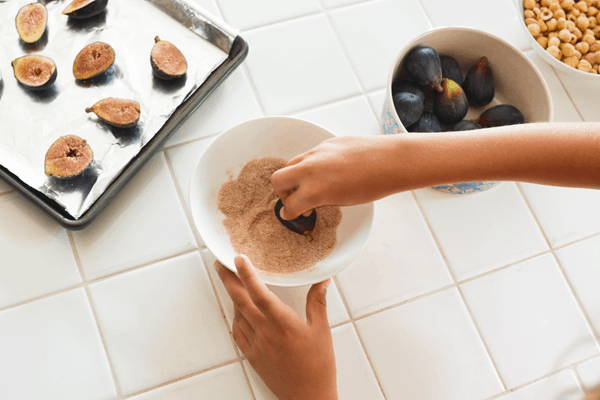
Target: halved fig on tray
x: 31, y: 22
x: 68, y: 157
x: 93, y: 60
x: 85, y: 8
x: 167, y: 61
x: 35, y: 72
x: 120, y: 113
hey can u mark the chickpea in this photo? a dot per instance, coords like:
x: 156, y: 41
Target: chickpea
x: 534, y: 29
x: 529, y: 4
x: 593, y: 71
x: 567, y: 49
x: 583, y: 22
x: 554, y: 52
x: 546, y: 14
x: 553, y: 35
x: 598, y: 56
x: 589, y: 39
x: 582, y: 47
x: 571, y: 61
x: 551, y: 24
x: 594, y: 47
x: 561, y: 24
x: 584, y: 66
x: 592, y: 11
x: 573, y: 39
x: 528, y: 14
x: 597, y: 31
x: 581, y: 6
x: 593, y: 22
x: 571, y: 17
x: 543, y: 41
x: 537, y: 11
x: 530, y: 21
x: 571, y: 26
x: 554, y: 7
x: 542, y: 25
x: 554, y: 42
x: 577, y: 54
x: 567, y: 5
x: 564, y: 35
x: 591, y: 58
x: 578, y: 34
x: 560, y: 14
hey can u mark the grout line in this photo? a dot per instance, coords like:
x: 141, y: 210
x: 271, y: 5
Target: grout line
x: 576, y: 241
x: 560, y: 267
x: 281, y: 21
x: 173, y: 146
x: 93, y: 308
x: 235, y: 360
x: 362, y: 345
x: 579, y: 381
x: 247, y: 378
x: 551, y: 374
x: 469, y: 312
x: 254, y: 90
x: 426, y: 14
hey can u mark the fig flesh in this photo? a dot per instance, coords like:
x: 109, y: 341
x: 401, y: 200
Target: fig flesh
x: 451, y: 105
x: 167, y: 61
x: 479, y: 83
x: 466, y: 125
x: 409, y: 108
x: 451, y: 69
x: 35, y: 72
x: 68, y: 157
x: 425, y: 68
x: 408, y: 87
x: 427, y: 123
x: 301, y: 225
x: 93, y: 60
x: 85, y: 8
x: 31, y: 22
x: 503, y: 114
x: 119, y: 113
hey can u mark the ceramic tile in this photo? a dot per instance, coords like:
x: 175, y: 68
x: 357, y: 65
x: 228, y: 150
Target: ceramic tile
x: 562, y: 386
x: 42, y: 348
x: 183, y: 160
x: 583, y: 94
x: 161, y: 322
x: 399, y: 261
x: 231, y: 103
x: 355, y: 379
x: 347, y: 117
x: 589, y: 372
x: 581, y: 263
x: 377, y: 99
x: 482, y: 231
x: 250, y: 14
x: 564, y: 110
x: 500, y: 18
x: 144, y: 223
x: 225, y: 383
x: 374, y: 32
x: 565, y: 214
x: 541, y: 324
x: 429, y: 349
x: 36, y: 257
x: 293, y: 297
x: 338, y: 3
x: 298, y: 64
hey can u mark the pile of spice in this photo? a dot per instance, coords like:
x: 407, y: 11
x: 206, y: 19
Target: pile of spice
x: 254, y: 230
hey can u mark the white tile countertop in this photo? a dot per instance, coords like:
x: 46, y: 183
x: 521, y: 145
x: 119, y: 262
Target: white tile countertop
x: 486, y: 296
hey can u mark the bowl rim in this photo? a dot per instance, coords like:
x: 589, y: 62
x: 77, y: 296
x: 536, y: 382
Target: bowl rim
x: 418, y: 38
x: 265, y: 278
x: 553, y: 62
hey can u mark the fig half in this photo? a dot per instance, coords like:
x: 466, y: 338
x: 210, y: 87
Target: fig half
x: 85, y: 8
x: 120, y: 113
x: 31, y: 22
x: 69, y: 156
x: 167, y: 61
x: 35, y: 72
x: 93, y: 60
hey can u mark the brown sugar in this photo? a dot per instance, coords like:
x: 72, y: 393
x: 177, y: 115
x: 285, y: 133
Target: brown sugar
x: 254, y: 230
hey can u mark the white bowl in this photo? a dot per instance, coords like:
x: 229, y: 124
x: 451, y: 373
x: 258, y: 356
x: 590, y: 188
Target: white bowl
x: 268, y: 137
x: 561, y: 66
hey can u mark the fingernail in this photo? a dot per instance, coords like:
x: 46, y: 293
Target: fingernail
x: 327, y: 283
x: 307, y: 214
x: 217, y: 266
x: 239, y: 261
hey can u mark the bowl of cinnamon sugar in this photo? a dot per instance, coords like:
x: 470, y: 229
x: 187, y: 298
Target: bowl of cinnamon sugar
x: 233, y: 202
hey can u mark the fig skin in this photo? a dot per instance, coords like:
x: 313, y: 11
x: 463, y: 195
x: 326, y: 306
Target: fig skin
x: 93, y: 60
x: 119, y: 113
x: 25, y: 61
x: 503, y: 114
x: 466, y: 125
x: 451, y: 69
x: 425, y: 68
x: 428, y: 123
x: 301, y: 225
x: 68, y: 157
x: 409, y: 87
x: 162, y: 68
x: 26, y: 12
x: 409, y: 108
x: 450, y: 106
x: 479, y: 85
x: 80, y: 9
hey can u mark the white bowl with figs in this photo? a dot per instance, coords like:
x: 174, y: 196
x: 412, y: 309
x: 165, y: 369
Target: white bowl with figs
x: 277, y: 137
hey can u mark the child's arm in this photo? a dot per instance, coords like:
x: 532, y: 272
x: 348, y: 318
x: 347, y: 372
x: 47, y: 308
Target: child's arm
x: 354, y: 170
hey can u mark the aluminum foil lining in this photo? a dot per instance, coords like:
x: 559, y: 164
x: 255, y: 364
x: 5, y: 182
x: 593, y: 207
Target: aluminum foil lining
x: 31, y: 121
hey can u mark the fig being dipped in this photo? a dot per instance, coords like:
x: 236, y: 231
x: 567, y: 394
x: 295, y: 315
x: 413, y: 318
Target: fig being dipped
x: 168, y: 62
x: 425, y: 68
x: 119, y: 113
x: 35, y: 72
x: 80, y: 9
x: 479, y: 83
x: 451, y: 105
x: 31, y: 22
x: 503, y: 114
x: 93, y: 60
x: 301, y: 225
x: 68, y: 157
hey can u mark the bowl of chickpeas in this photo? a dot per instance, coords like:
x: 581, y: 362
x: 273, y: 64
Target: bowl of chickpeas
x: 566, y: 34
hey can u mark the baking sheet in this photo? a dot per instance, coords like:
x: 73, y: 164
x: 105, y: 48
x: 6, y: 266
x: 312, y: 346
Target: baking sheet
x: 31, y: 121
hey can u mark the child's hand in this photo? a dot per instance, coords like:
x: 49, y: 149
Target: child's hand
x: 295, y: 359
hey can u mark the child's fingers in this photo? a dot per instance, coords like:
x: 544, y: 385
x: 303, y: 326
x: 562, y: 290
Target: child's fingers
x: 245, y: 327
x: 241, y: 339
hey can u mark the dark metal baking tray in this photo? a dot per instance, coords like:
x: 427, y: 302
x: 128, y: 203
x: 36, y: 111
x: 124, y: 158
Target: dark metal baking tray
x: 238, y: 53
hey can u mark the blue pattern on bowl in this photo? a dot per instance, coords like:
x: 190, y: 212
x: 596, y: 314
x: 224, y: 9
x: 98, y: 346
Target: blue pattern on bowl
x: 391, y: 127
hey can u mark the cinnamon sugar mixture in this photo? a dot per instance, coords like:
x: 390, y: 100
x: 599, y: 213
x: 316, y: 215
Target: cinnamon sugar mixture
x: 249, y: 207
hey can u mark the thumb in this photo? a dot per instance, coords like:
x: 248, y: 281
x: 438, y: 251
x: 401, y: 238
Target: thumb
x: 316, y: 304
